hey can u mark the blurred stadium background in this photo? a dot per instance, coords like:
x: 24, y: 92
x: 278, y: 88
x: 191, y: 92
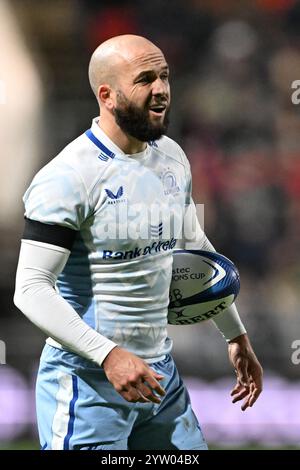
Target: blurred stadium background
x: 232, y: 68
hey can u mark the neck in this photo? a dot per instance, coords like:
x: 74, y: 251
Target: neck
x: 125, y: 142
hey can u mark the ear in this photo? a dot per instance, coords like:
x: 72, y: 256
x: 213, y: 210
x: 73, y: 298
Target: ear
x: 105, y: 96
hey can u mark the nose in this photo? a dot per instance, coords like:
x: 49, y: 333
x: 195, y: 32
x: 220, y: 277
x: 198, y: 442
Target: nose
x: 160, y: 87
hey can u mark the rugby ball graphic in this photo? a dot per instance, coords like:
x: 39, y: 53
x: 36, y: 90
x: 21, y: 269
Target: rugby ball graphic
x: 204, y: 283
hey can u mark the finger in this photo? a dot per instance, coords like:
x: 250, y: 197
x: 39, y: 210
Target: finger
x: 254, y: 396
x: 154, y: 384
x: 134, y: 396
x: 237, y: 388
x: 131, y: 394
x: 245, y: 405
x: 158, y: 376
x: 240, y: 395
x: 147, y: 393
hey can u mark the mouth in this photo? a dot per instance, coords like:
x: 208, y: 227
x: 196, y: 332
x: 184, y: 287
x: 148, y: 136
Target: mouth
x: 158, y: 109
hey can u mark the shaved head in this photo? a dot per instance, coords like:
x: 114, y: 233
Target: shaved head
x: 110, y: 59
x: 129, y: 76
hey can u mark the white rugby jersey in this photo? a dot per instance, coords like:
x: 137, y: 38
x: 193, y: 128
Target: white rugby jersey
x: 125, y: 210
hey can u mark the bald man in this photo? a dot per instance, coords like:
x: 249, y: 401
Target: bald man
x: 95, y: 268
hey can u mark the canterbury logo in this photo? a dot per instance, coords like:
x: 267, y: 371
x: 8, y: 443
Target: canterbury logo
x: 111, y: 195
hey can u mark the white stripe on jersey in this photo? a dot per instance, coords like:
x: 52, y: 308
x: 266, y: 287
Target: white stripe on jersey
x: 61, y: 418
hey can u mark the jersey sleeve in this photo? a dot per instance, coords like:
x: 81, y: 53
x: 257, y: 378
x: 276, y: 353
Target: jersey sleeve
x: 193, y: 236
x: 35, y: 295
x: 57, y: 195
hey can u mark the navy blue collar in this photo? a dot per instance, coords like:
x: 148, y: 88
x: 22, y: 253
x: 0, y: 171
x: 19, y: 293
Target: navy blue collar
x: 99, y: 144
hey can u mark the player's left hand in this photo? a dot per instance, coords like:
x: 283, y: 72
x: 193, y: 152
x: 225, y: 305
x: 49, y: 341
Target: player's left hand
x: 248, y: 370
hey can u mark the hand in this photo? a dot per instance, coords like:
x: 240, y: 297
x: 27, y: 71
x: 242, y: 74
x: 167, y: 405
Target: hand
x: 131, y: 377
x: 248, y: 370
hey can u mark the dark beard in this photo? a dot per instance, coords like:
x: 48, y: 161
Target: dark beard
x: 135, y: 121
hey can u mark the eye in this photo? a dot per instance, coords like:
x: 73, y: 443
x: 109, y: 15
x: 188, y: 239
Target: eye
x: 164, y: 76
x: 143, y: 80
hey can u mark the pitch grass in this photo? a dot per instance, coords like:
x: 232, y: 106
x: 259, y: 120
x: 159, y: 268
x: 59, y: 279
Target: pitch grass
x: 33, y: 445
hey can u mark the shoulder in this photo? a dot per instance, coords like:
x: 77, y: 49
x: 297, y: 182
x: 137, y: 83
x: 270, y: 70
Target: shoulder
x: 84, y: 160
x: 60, y: 191
x: 171, y: 149
x: 80, y: 163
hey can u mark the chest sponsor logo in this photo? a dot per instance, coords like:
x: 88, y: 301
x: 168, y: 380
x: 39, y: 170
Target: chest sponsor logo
x: 136, y: 252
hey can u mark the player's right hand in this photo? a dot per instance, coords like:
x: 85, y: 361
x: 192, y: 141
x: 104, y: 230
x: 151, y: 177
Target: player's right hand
x: 132, y: 377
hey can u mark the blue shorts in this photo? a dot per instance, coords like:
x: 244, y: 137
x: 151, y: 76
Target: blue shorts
x: 78, y: 408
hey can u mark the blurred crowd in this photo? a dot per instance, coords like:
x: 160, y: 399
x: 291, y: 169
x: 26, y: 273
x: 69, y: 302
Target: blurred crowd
x: 232, y: 68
